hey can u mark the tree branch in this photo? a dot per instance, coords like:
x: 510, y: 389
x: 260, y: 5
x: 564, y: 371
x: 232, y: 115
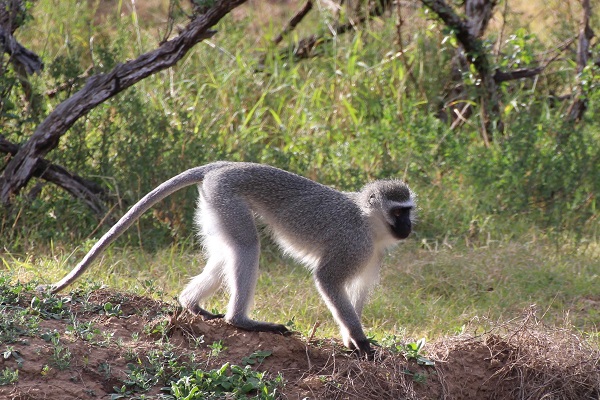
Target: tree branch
x: 504, y: 76
x: 100, y: 88
x: 24, y: 59
x: 296, y: 19
x: 306, y: 45
x: 586, y: 34
x: 80, y: 188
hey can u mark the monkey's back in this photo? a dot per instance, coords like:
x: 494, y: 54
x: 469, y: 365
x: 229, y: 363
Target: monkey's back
x: 306, y: 217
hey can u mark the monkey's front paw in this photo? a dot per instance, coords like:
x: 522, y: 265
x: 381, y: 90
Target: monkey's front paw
x: 363, y: 349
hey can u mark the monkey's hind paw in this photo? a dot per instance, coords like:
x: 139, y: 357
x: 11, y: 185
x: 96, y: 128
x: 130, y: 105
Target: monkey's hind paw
x: 283, y: 330
x: 259, y: 326
x: 270, y: 327
x: 206, y: 315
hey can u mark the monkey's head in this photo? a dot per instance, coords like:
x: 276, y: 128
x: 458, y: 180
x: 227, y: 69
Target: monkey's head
x: 395, y: 202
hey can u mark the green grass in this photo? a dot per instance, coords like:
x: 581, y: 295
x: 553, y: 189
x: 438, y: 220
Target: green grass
x: 499, y: 228
x: 426, y: 290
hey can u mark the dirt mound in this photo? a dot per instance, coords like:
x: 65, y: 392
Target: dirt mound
x: 106, y: 344
x: 520, y: 359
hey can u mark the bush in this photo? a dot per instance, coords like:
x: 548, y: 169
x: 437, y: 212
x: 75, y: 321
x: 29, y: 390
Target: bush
x: 355, y: 112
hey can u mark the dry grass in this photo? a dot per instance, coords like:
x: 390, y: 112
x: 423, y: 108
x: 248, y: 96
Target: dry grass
x: 525, y: 360
x: 518, y: 359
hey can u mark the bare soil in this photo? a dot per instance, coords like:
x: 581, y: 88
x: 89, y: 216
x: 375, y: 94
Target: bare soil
x: 521, y: 359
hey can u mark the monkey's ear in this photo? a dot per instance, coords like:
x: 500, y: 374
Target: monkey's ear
x: 372, y: 199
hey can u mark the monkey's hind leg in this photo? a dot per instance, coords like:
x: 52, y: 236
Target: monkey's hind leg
x: 242, y: 274
x: 241, y: 271
x: 203, y: 286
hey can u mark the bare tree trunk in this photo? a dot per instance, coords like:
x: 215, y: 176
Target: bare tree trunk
x: 469, y: 32
x: 24, y: 61
x: 98, y: 89
x: 586, y: 34
x: 296, y: 19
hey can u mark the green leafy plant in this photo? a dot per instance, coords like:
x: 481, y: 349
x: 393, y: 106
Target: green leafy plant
x: 45, y: 370
x: 140, y: 378
x: 8, y: 376
x: 10, y: 352
x: 16, y: 323
x: 105, y: 369
x: 121, y: 393
x: 197, y: 340
x: 216, y: 348
x: 147, y: 370
x: 50, y: 307
x: 10, y: 293
x: 256, y: 357
x: 232, y: 382
x: 411, y: 351
x: 61, y: 355
x: 84, y: 330
x: 158, y: 328
x: 112, y: 310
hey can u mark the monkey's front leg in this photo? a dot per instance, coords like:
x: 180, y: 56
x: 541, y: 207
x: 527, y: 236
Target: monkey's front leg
x: 334, y: 293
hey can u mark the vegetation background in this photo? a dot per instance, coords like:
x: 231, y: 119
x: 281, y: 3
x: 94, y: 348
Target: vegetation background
x: 500, y: 226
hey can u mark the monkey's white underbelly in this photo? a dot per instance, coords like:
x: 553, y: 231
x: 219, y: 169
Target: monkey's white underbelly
x: 307, y: 256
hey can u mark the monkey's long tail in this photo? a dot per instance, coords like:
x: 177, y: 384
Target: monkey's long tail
x: 187, y: 178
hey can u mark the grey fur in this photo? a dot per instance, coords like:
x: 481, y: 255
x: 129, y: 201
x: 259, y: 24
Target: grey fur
x: 340, y: 236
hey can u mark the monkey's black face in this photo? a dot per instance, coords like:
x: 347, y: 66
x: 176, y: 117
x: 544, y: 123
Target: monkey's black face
x: 402, y: 225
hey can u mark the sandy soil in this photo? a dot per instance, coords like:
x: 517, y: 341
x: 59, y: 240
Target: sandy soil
x: 520, y: 360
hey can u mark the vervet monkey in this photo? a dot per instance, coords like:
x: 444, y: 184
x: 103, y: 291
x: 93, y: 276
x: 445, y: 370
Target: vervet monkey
x: 341, y: 237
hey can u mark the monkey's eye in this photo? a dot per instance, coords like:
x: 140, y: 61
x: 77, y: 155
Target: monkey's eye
x: 401, y: 211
